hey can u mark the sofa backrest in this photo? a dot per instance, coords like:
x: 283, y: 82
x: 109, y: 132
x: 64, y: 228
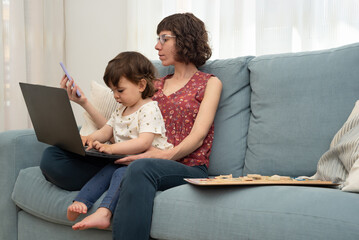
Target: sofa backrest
x: 232, y: 118
x: 298, y: 102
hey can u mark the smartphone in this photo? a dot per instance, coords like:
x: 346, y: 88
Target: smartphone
x: 69, y: 77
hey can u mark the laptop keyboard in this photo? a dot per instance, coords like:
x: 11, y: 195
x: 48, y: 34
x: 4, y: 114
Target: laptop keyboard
x: 95, y: 153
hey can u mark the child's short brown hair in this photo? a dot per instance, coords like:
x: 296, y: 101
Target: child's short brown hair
x: 133, y: 66
x: 191, y: 37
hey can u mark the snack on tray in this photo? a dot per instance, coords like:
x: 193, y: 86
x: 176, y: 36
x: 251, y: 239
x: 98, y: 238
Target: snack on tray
x: 255, y: 176
x: 246, y: 178
x: 224, y: 176
x: 274, y: 178
x: 252, y: 177
x: 256, y: 179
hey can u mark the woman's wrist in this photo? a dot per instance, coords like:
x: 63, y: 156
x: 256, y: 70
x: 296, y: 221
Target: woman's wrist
x: 84, y: 103
x: 171, y: 154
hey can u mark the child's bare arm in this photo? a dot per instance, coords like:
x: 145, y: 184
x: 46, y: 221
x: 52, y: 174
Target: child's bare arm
x: 133, y: 146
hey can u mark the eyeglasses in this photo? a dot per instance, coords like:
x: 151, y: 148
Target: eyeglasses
x: 162, y: 38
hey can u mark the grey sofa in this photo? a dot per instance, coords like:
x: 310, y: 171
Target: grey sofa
x: 277, y: 115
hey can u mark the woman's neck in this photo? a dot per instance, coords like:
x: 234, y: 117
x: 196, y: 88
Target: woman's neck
x: 184, y: 71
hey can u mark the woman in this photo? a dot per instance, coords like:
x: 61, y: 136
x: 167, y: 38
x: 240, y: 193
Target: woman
x: 188, y: 101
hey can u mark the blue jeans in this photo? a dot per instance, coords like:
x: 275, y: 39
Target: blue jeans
x: 109, y: 178
x: 67, y: 170
x: 143, y: 178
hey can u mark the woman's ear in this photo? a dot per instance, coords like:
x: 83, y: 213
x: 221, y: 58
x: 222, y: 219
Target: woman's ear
x: 142, y: 85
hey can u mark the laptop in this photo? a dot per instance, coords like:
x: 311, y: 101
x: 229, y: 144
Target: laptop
x: 53, y: 120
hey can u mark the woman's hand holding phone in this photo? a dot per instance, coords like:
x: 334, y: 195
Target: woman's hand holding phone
x: 72, y: 91
x: 76, y: 95
x: 69, y: 78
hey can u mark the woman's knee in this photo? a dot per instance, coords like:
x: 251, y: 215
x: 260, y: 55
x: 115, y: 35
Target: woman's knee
x: 140, y: 167
x: 54, y: 168
x: 137, y: 171
x: 46, y: 163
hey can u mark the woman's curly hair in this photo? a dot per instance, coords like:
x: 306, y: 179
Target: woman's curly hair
x: 191, y: 37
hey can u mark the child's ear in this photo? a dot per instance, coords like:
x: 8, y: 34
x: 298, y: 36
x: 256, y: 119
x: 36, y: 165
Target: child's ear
x: 142, y: 84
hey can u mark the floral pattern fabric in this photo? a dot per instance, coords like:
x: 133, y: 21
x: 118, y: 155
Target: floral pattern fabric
x: 179, y: 111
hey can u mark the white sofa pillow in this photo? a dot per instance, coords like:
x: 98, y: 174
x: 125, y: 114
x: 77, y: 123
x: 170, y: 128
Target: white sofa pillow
x: 352, y: 182
x: 339, y: 164
x: 102, y: 99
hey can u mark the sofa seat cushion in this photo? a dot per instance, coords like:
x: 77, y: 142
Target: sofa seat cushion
x: 261, y: 212
x: 35, y: 195
x: 33, y: 228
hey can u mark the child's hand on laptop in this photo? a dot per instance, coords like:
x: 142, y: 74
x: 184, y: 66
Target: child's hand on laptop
x: 102, y: 147
x: 87, y: 141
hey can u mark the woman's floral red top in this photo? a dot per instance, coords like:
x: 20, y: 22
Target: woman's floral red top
x: 179, y: 111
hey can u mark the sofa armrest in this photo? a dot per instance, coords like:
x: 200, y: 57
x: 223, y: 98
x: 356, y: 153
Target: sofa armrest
x: 19, y: 149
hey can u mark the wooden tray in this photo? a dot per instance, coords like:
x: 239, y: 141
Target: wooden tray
x: 241, y: 181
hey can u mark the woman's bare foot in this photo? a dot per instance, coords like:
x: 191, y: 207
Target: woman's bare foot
x: 100, y: 219
x: 75, y: 209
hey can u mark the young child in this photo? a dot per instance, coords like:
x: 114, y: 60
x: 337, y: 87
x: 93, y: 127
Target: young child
x: 135, y: 126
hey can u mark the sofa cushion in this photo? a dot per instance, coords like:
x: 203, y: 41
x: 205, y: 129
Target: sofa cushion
x: 232, y: 118
x: 33, y: 228
x: 298, y: 102
x: 104, y: 102
x: 352, y: 181
x: 35, y: 195
x: 262, y: 212
x: 337, y: 162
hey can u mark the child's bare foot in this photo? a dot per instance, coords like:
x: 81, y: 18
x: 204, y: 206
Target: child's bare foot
x: 75, y: 209
x: 100, y: 219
